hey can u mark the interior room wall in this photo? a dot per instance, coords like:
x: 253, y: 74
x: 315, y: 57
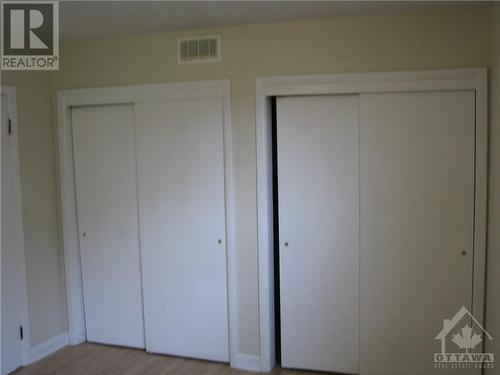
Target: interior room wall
x: 493, y: 271
x: 39, y: 199
x: 423, y: 40
x: 439, y: 39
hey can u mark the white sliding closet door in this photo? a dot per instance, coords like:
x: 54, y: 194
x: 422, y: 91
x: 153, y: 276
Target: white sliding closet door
x: 182, y: 219
x: 318, y: 178
x: 417, y: 218
x: 106, y: 184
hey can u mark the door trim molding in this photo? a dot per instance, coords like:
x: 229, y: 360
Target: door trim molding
x: 411, y: 81
x: 10, y: 93
x: 66, y: 99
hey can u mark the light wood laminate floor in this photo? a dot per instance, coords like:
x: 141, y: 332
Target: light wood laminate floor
x: 89, y: 359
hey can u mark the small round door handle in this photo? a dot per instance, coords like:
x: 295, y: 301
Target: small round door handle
x: 84, y: 234
x: 219, y: 241
x: 286, y: 244
x: 464, y: 253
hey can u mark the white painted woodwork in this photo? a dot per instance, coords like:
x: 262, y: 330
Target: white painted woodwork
x: 106, y: 189
x: 318, y: 173
x: 416, y: 219
x: 11, y: 285
x: 474, y: 80
x: 182, y: 218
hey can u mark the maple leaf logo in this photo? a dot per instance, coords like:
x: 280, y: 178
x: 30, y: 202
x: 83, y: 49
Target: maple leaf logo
x: 466, y: 340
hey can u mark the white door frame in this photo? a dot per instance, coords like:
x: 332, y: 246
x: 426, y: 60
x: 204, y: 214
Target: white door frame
x: 10, y: 93
x: 436, y: 80
x: 71, y: 247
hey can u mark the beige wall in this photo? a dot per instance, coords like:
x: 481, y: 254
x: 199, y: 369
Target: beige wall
x: 411, y: 41
x: 39, y: 199
x: 493, y: 275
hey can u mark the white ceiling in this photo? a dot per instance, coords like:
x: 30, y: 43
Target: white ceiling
x: 102, y: 19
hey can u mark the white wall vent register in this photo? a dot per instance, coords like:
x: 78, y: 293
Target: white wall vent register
x: 199, y: 49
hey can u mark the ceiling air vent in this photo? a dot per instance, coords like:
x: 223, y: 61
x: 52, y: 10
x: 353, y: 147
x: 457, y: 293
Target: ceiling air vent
x: 198, y: 49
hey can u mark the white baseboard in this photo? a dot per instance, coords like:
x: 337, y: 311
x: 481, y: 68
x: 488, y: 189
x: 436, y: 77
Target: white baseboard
x: 48, y: 347
x: 247, y: 362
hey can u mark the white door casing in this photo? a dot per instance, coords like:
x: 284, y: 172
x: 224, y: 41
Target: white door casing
x: 68, y: 99
x: 473, y: 80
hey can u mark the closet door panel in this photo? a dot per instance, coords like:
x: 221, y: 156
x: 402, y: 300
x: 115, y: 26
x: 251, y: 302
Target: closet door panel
x: 106, y: 184
x: 318, y: 175
x: 182, y: 219
x: 417, y: 211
